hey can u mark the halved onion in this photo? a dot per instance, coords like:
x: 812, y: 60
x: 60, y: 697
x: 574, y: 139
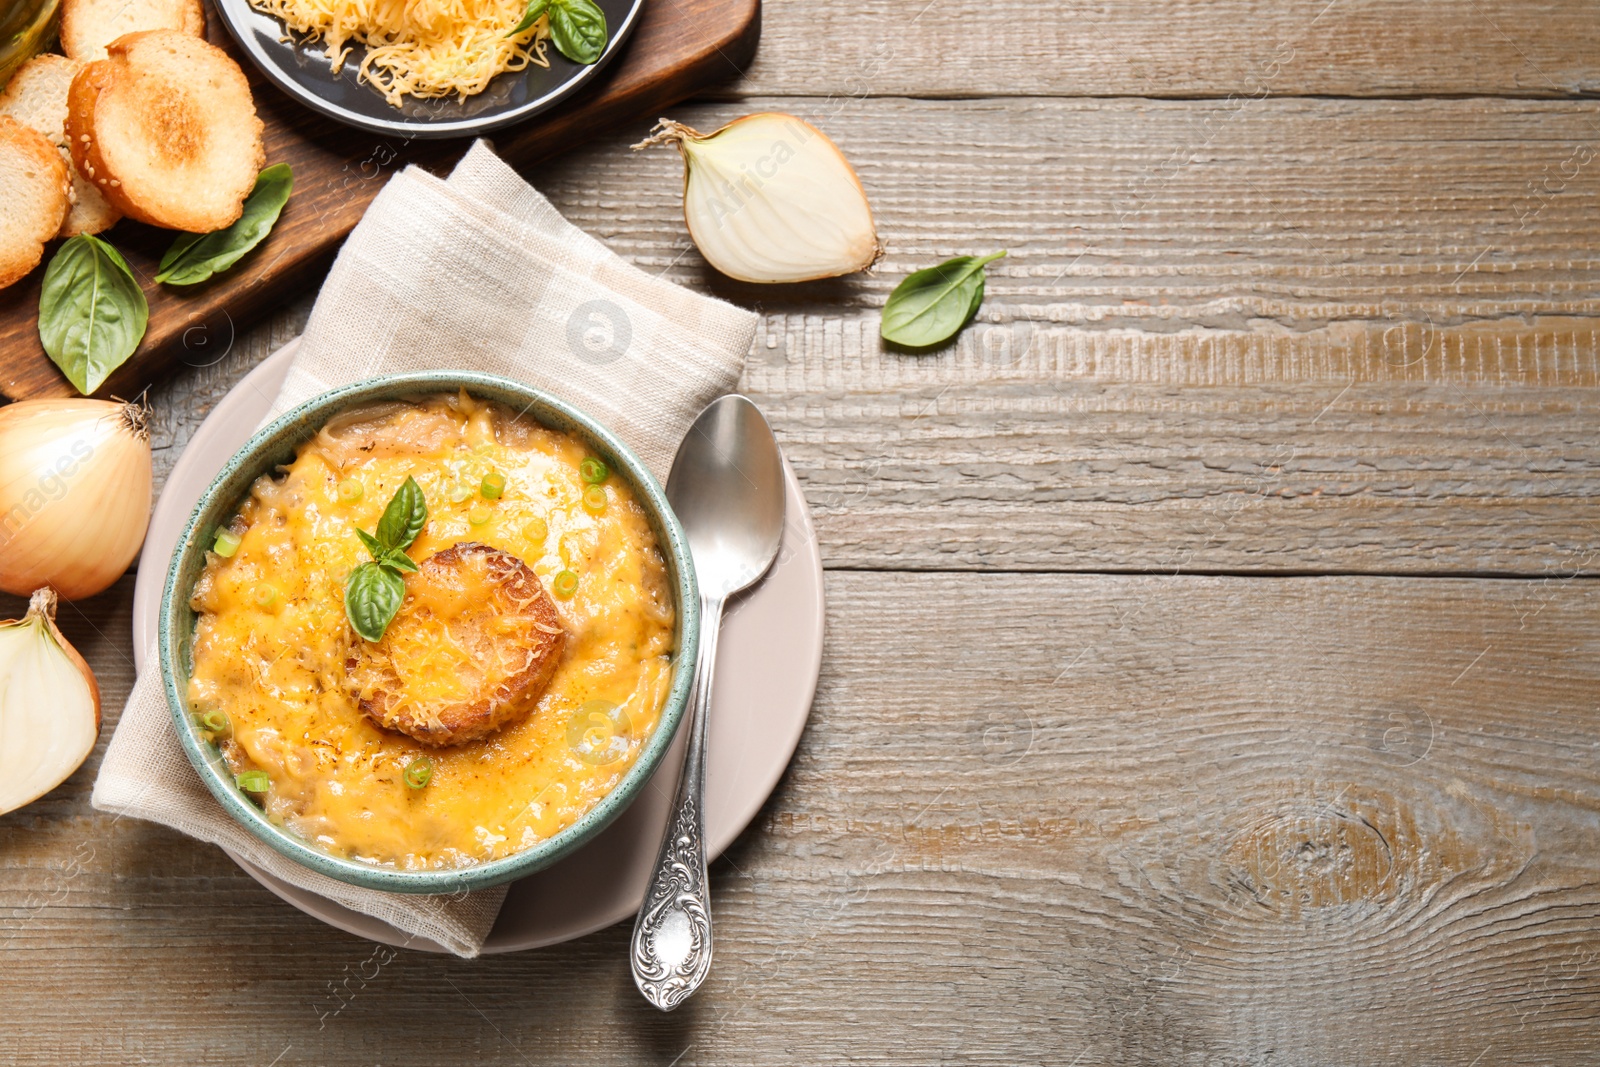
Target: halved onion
x: 768, y: 198
x: 49, y: 705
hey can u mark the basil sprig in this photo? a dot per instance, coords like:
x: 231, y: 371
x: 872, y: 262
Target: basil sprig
x: 577, y: 27
x: 194, y: 257
x: 92, y: 314
x: 374, y: 590
x: 932, y: 304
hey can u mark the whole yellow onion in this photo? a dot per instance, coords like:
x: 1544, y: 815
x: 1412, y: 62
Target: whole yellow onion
x: 74, y: 494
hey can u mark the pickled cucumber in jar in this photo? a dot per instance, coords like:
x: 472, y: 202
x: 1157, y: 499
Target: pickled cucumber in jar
x: 26, y: 28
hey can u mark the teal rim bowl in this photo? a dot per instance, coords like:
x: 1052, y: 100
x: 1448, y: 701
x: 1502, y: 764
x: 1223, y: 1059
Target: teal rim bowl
x: 277, y: 444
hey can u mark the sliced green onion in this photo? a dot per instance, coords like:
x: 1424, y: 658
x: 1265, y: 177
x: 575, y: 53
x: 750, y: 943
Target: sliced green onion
x: 494, y: 483
x: 215, y: 721
x: 264, y: 595
x: 479, y: 514
x: 459, y: 493
x: 594, y: 500
x: 536, y: 531
x: 253, y: 781
x: 350, y: 491
x: 227, y: 543
x: 419, y: 772
x: 564, y: 584
x: 593, y: 471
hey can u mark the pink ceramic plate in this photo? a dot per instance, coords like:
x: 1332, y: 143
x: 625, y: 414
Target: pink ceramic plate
x: 767, y: 663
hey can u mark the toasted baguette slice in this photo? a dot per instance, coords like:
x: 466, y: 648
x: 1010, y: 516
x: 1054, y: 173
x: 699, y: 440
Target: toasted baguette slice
x: 37, y: 96
x: 164, y: 126
x: 472, y: 648
x: 34, y: 189
x: 88, y: 26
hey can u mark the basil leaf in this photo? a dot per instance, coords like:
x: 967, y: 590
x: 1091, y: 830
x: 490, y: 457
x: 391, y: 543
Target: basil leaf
x: 403, y: 518
x: 578, y: 29
x: 372, y: 595
x: 92, y: 314
x: 194, y: 257
x: 398, y: 560
x: 530, y: 16
x: 373, y: 545
x: 373, y: 592
x: 932, y: 304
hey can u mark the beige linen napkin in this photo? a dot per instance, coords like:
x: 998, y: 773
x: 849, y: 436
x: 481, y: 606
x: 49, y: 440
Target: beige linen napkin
x: 474, y: 272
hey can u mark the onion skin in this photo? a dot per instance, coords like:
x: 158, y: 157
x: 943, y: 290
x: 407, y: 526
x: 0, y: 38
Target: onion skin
x: 23, y: 767
x: 75, y: 480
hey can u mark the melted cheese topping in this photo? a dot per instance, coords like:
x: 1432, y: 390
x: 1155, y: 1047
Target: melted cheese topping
x: 272, y: 636
x: 420, y: 48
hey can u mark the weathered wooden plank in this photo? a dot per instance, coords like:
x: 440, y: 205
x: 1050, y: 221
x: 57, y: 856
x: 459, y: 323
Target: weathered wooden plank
x: 1305, y: 336
x: 1288, y: 335
x: 1177, y: 48
x: 1113, y: 819
x: 1157, y: 215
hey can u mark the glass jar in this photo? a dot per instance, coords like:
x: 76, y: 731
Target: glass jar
x: 26, y: 27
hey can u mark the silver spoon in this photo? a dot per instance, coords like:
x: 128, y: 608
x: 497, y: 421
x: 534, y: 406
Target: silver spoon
x: 726, y: 487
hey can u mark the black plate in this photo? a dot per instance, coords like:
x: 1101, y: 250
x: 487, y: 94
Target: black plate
x: 300, y: 69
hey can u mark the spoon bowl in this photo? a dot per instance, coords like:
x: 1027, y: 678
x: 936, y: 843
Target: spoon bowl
x: 726, y: 488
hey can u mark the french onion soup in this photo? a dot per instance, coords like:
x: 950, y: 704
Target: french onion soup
x: 437, y: 637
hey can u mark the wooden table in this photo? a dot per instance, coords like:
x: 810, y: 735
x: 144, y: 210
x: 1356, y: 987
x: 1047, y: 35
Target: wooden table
x: 1213, y: 656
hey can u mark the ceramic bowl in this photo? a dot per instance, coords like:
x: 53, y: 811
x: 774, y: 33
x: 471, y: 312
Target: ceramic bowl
x: 276, y: 444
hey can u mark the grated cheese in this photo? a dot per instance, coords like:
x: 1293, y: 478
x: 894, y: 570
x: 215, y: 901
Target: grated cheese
x: 419, y: 48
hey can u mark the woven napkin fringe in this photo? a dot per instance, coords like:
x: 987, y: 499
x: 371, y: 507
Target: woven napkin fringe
x: 474, y: 272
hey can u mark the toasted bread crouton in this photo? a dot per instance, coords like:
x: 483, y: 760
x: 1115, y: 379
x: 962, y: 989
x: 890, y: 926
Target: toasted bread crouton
x: 37, y: 96
x: 472, y: 648
x: 35, y: 190
x: 88, y: 26
x: 165, y: 128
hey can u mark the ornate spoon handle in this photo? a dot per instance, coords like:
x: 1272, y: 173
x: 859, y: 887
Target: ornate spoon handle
x: 671, y: 949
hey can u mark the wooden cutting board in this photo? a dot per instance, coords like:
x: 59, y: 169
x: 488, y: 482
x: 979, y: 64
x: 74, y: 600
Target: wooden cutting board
x: 677, y: 48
